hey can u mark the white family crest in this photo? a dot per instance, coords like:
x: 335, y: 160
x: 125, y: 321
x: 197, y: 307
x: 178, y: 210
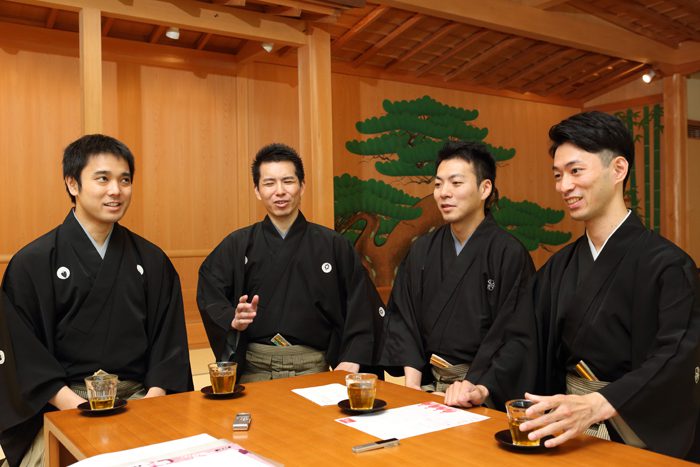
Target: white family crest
x: 490, y: 285
x: 326, y: 267
x: 697, y: 375
x: 245, y: 260
x: 63, y: 273
x: 382, y: 312
x: 2, y: 357
x: 139, y: 268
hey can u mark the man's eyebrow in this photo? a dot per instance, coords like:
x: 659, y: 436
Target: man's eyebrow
x: 568, y: 164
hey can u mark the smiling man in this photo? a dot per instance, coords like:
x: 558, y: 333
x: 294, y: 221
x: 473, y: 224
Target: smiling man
x: 620, y: 299
x: 88, y: 295
x: 456, y: 292
x: 284, y: 296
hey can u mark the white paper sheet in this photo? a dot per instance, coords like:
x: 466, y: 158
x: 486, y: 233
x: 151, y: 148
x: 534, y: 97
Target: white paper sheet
x: 412, y: 420
x: 196, y: 451
x: 329, y: 394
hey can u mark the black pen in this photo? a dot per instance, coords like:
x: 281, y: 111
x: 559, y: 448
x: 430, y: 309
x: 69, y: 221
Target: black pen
x: 384, y: 443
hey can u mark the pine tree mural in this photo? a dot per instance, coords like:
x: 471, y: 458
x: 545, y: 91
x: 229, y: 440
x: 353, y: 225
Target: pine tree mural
x: 383, y: 220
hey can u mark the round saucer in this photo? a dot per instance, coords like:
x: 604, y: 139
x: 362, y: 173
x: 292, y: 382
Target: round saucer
x: 345, y: 407
x: 85, y: 409
x: 506, y: 440
x: 209, y: 392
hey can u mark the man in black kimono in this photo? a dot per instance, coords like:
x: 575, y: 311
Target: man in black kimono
x: 455, y: 294
x: 88, y: 295
x: 285, y: 296
x: 622, y: 300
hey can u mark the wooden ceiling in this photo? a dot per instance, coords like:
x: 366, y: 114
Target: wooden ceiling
x: 565, y: 51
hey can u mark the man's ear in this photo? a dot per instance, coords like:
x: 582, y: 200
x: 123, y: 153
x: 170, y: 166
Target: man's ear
x: 257, y: 193
x: 620, y: 168
x: 73, y: 187
x: 485, y: 188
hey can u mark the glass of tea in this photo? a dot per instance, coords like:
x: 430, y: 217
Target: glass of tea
x: 223, y: 377
x: 362, y: 389
x: 516, y: 416
x: 101, y: 390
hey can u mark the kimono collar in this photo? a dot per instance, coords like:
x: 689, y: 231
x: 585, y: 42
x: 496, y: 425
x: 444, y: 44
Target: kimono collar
x: 101, y: 249
x: 595, y: 253
x: 298, y: 226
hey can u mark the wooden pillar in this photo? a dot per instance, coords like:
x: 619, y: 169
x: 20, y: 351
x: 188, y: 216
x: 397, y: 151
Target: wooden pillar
x: 316, y: 123
x: 674, y: 161
x: 244, y: 153
x: 91, y: 70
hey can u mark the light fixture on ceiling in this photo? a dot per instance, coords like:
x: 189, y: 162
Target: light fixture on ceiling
x: 268, y: 46
x: 648, y: 76
x: 173, y: 33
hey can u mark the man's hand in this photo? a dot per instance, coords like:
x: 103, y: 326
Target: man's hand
x: 413, y: 377
x: 465, y: 394
x: 154, y: 392
x: 348, y: 366
x: 245, y: 312
x: 570, y: 416
x: 66, y: 399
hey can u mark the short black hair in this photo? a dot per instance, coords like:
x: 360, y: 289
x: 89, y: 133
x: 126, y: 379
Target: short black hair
x: 479, y: 156
x: 598, y: 133
x: 79, y: 152
x: 277, y: 152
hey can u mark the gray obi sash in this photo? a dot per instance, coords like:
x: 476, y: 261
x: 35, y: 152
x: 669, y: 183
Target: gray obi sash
x: 265, y: 362
x: 446, y: 376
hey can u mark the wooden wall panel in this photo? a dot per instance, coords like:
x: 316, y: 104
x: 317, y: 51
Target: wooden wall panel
x: 39, y: 115
x: 693, y: 215
x: 511, y: 123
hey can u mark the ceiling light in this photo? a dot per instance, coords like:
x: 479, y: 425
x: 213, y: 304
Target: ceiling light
x: 648, y: 76
x: 173, y: 33
x: 268, y: 46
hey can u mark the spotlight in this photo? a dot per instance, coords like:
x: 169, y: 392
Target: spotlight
x: 173, y: 33
x: 268, y: 46
x: 648, y: 76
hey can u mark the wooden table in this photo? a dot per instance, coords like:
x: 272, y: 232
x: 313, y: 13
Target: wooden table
x: 290, y: 429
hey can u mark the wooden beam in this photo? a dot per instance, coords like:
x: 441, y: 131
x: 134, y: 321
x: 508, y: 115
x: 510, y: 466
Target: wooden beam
x: 304, y: 6
x: 196, y: 16
x: 248, y: 52
x: 393, y: 35
x: 284, y: 11
x: 582, y: 77
x: 656, y: 18
x: 229, y: 2
x: 674, y: 188
x: 427, y: 42
x: 51, y: 18
x: 372, y: 72
x: 543, y: 4
x: 469, y: 41
x: 537, y: 67
x: 202, y: 41
x: 90, y: 32
x: 66, y: 43
x: 156, y: 34
x: 360, y: 26
x: 107, y: 26
x: 626, y: 104
x: 605, y: 15
x: 682, y: 69
x: 496, y: 49
x: 561, y: 28
x: 520, y: 64
x: 607, y: 84
x: 316, y: 122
